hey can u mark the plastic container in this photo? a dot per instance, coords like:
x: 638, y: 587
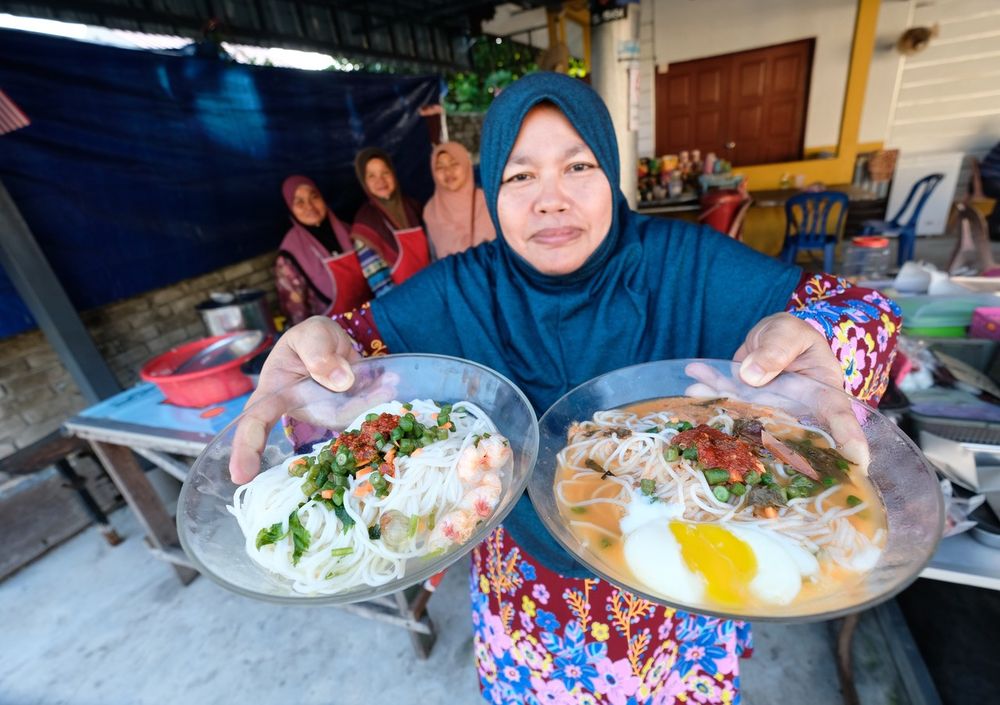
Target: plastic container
x: 201, y: 387
x: 866, y: 257
x: 985, y: 323
x: 940, y: 316
x: 904, y: 480
x: 211, y: 536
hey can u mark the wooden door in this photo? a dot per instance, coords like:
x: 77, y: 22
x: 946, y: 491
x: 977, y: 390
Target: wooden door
x: 748, y: 107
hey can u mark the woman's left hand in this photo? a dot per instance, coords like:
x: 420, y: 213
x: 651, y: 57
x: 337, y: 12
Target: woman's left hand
x: 784, y: 343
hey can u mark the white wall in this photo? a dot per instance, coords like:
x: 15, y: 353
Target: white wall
x: 948, y: 96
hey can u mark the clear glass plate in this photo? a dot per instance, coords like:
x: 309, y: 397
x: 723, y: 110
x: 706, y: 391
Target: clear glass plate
x: 211, y: 536
x: 901, y: 475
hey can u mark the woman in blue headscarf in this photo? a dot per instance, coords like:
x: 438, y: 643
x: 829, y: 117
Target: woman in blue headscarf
x: 576, y: 285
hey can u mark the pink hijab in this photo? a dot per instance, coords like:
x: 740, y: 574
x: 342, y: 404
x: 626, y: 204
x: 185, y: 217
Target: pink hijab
x: 304, y: 247
x: 456, y: 220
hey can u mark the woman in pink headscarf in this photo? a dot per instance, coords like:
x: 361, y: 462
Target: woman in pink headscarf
x: 456, y: 216
x: 317, y: 270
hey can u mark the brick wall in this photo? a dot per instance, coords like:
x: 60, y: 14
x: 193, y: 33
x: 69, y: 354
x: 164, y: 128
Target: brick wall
x: 36, y: 391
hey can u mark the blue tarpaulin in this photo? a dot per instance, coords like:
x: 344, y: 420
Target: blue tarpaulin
x: 140, y: 169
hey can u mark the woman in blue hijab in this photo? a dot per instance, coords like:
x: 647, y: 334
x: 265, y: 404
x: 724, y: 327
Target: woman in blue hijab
x: 576, y: 285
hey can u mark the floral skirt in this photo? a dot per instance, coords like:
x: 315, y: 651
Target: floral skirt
x: 544, y: 638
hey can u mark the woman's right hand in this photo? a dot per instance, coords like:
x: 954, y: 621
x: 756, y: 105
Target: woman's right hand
x: 316, y: 348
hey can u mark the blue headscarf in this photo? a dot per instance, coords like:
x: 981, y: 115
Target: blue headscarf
x: 654, y: 289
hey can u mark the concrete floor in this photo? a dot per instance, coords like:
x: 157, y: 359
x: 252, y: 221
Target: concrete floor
x: 93, y: 624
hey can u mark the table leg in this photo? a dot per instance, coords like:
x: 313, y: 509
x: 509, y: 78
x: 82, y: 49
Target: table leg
x: 97, y: 515
x: 845, y: 636
x: 414, y: 608
x: 121, y: 466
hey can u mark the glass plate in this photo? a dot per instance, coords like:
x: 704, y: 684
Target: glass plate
x: 901, y: 475
x: 211, y: 536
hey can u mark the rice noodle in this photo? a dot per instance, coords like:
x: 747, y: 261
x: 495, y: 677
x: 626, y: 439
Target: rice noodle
x: 621, y: 442
x: 425, y: 486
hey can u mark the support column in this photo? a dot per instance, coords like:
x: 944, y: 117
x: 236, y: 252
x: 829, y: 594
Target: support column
x: 614, y: 63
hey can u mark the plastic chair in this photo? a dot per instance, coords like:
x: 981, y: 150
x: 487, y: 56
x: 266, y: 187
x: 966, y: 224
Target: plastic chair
x: 808, y: 216
x: 907, y: 232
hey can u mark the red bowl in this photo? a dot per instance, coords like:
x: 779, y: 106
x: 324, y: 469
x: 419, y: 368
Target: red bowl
x: 201, y: 387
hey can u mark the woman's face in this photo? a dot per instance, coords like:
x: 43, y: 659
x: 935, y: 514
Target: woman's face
x: 379, y: 179
x: 308, y: 206
x: 448, y: 172
x: 555, y: 202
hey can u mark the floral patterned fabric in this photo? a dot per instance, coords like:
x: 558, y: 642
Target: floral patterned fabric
x: 860, y: 324
x: 542, y: 638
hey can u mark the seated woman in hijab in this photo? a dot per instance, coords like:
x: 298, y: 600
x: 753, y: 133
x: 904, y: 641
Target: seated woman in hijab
x: 580, y: 285
x: 388, y: 223
x: 317, y: 270
x: 456, y: 216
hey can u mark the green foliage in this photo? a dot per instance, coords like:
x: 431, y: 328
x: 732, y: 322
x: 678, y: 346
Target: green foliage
x: 494, y: 67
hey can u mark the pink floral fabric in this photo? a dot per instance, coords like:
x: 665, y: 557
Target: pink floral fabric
x: 861, y: 326
x: 542, y: 638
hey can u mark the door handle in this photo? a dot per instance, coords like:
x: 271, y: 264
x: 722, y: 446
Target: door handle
x: 730, y: 145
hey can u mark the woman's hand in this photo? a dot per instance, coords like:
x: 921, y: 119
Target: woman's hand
x: 316, y: 348
x: 784, y: 343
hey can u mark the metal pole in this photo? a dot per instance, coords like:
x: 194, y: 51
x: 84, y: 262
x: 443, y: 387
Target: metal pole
x: 25, y: 264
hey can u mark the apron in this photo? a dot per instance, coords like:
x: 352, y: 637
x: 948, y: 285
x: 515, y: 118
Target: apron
x: 350, y: 288
x: 414, y: 254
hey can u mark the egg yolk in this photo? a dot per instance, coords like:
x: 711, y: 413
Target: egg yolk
x: 726, y: 563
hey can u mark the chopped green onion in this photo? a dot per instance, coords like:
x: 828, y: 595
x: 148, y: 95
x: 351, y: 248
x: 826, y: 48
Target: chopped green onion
x: 406, y: 423
x: 652, y: 429
x: 716, y: 476
x: 371, y: 417
x: 721, y: 493
x: 578, y: 510
x: 853, y: 501
x: 690, y: 453
x: 443, y: 419
x: 829, y: 482
x: 408, y: 406
x: 445, y: 409
x: 738, y: 489
x: 345, y: 551
x: 407, y: 446
x: 309, y: 488
x: 767, y: 479
x: 375, y: 532
x: 752, y: 477
x: 671, y: 454
x: 396, y: 433
x: 648, y: 487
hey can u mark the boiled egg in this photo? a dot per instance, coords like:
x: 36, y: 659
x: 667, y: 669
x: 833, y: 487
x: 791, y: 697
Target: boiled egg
x: 721, y: 563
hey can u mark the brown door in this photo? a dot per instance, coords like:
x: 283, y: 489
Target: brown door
x: 748, y: 107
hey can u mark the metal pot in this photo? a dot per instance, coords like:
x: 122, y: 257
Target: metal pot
x: 246, y: 309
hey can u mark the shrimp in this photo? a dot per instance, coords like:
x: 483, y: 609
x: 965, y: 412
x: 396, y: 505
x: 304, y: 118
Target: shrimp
x: 484, y: 497
x: 454, y: 527
x: 490, y: 453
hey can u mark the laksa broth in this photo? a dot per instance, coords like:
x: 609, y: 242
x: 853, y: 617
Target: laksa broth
x: 719, y: 503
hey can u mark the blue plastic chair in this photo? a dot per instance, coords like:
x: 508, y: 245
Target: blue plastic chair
x: 907, y: 232
x: 807, y: 227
